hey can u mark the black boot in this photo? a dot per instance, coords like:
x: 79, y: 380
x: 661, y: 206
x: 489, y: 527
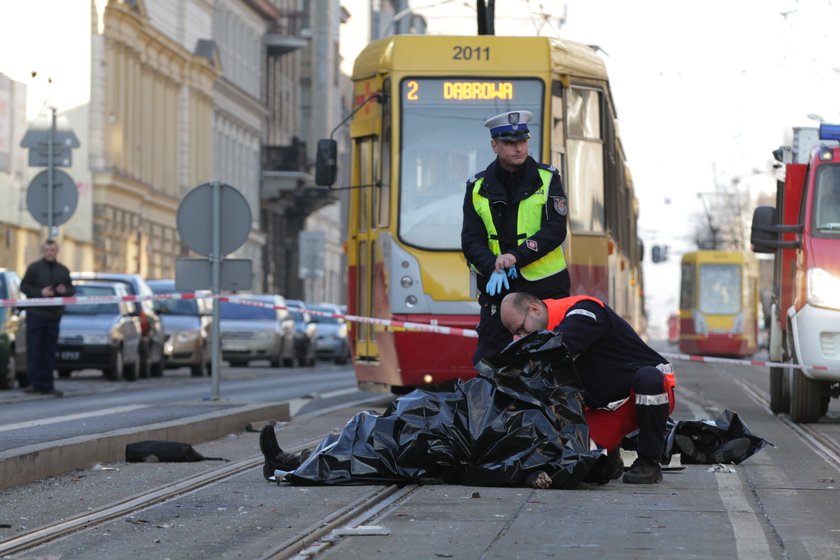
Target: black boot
x: 275, y: 457
x: 644, y: 471
x: 270, y: 449
x: 615, y: 464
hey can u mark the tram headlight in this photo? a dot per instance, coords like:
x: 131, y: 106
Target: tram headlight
x: 406, y: 282
x: 823, y: 288
x: 411, y: 301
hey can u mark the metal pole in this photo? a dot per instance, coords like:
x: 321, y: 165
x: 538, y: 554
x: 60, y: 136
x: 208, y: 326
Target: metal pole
x: 50, y: 175
x: 216, y: 282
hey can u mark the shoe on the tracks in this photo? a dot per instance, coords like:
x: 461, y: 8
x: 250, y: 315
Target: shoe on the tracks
x: 275, y: 458
x: 270, y: 450
x: 644, y: 471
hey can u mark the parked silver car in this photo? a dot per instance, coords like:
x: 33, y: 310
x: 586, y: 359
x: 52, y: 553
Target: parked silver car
x: 151, y: 345
x: 13, y: 331
x: 250, y: 332
x: 304, y: 333
x: 330, y: 333
x: 186, y: 328
x: 104, y: 336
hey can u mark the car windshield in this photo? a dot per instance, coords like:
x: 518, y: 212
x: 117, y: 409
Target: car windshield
x: 296, y: 315
x: 231, y: 310
x: 187, y: 307
x: 93, y: 308
x: 323, y: 319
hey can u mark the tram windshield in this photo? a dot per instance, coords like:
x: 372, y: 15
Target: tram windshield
x: 444, y: 143
x: 720, y: 289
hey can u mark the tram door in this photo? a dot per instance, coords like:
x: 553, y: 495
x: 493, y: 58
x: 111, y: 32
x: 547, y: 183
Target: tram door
x: 366, y: 240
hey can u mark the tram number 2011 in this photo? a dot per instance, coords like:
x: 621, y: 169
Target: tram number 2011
x: 460, y: 52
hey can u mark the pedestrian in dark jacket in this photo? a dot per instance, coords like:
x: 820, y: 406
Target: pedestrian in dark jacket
x: 514, y: 222
x: 44, y: 278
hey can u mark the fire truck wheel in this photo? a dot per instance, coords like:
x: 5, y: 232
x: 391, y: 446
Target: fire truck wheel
x: 805, y: 398
x: 779, y: 397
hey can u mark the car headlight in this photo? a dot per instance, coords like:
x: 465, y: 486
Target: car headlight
x: 95, y: 338
x: 823, y: 289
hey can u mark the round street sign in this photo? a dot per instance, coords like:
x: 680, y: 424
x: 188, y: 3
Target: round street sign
x: 196, y: 222
x: 64, y: 197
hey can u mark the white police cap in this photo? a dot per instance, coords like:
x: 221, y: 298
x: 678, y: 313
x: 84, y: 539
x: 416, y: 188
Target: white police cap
x: 510, y: 127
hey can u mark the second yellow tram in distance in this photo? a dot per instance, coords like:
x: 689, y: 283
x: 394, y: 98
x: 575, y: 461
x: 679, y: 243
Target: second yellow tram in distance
x: 719, y: 303
x: 412, y: 151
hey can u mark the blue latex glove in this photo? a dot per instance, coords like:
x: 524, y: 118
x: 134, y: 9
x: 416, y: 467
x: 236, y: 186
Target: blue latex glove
x: 512, y: 274
x: 497, y: 283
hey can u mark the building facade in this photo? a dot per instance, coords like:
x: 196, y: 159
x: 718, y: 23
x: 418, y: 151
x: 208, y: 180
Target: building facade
x: 175, y: 94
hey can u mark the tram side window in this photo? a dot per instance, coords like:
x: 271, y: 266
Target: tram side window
x: 558, y: 128
x: 365, y: 179
x: 385, y: 166
x: 687, y: 286
x: 585, y: 182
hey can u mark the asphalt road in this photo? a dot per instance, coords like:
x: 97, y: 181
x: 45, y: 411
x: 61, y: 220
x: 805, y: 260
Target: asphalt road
x: 780, y: 503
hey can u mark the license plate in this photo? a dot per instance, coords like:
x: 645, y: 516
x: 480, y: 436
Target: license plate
x: 69, y: 355
x: 233, y: 345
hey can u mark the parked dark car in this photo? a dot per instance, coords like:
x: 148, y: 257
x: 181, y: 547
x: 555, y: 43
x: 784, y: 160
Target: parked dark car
x: 331, y: 333
x: 186, y: 325
x: 105, y: 336
x: 14, y: 328
x: 151, y: 346
x: 7, y: 357
x: 304, y: 333
x: 250, y: 332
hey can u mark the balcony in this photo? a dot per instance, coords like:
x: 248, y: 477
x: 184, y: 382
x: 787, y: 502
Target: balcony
x: 287, y: 33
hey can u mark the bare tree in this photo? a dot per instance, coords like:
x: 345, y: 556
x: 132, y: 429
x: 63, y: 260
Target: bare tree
x: 724, y: 223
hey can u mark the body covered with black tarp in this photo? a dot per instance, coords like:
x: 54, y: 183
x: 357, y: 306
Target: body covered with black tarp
x: 522, y: 414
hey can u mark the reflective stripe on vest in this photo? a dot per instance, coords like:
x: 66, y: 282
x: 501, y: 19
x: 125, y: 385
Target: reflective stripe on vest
x: 528, y: 222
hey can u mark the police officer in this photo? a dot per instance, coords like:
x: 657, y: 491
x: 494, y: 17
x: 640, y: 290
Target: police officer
x: 514, y: 222
x: 613, y: 363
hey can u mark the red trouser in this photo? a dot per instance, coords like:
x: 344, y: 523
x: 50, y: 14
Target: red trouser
x: 608, y: 427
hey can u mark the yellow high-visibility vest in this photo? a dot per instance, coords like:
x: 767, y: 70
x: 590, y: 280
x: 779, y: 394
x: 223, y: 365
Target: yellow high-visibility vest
x: 528, y: 222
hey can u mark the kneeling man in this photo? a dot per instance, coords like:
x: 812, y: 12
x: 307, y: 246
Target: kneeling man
x: 626, y: 384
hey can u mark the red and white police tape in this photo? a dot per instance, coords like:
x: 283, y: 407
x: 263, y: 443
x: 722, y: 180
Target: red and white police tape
x: 243, y: 300
x: 388, y: 323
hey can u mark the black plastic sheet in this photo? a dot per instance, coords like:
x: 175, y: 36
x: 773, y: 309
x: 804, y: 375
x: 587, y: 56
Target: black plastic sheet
x: 726, y: 439
x: 522, y: 414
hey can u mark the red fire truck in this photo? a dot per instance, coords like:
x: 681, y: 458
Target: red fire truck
x: 803, y: 230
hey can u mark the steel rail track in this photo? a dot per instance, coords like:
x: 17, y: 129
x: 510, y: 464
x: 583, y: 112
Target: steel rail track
x: 323, y: 534
x: 824, y: 446
x: 126, y: 506
x: 166, y: 492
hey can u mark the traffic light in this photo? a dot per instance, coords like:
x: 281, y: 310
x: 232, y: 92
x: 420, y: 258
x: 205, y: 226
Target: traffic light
x: 659, y: 253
